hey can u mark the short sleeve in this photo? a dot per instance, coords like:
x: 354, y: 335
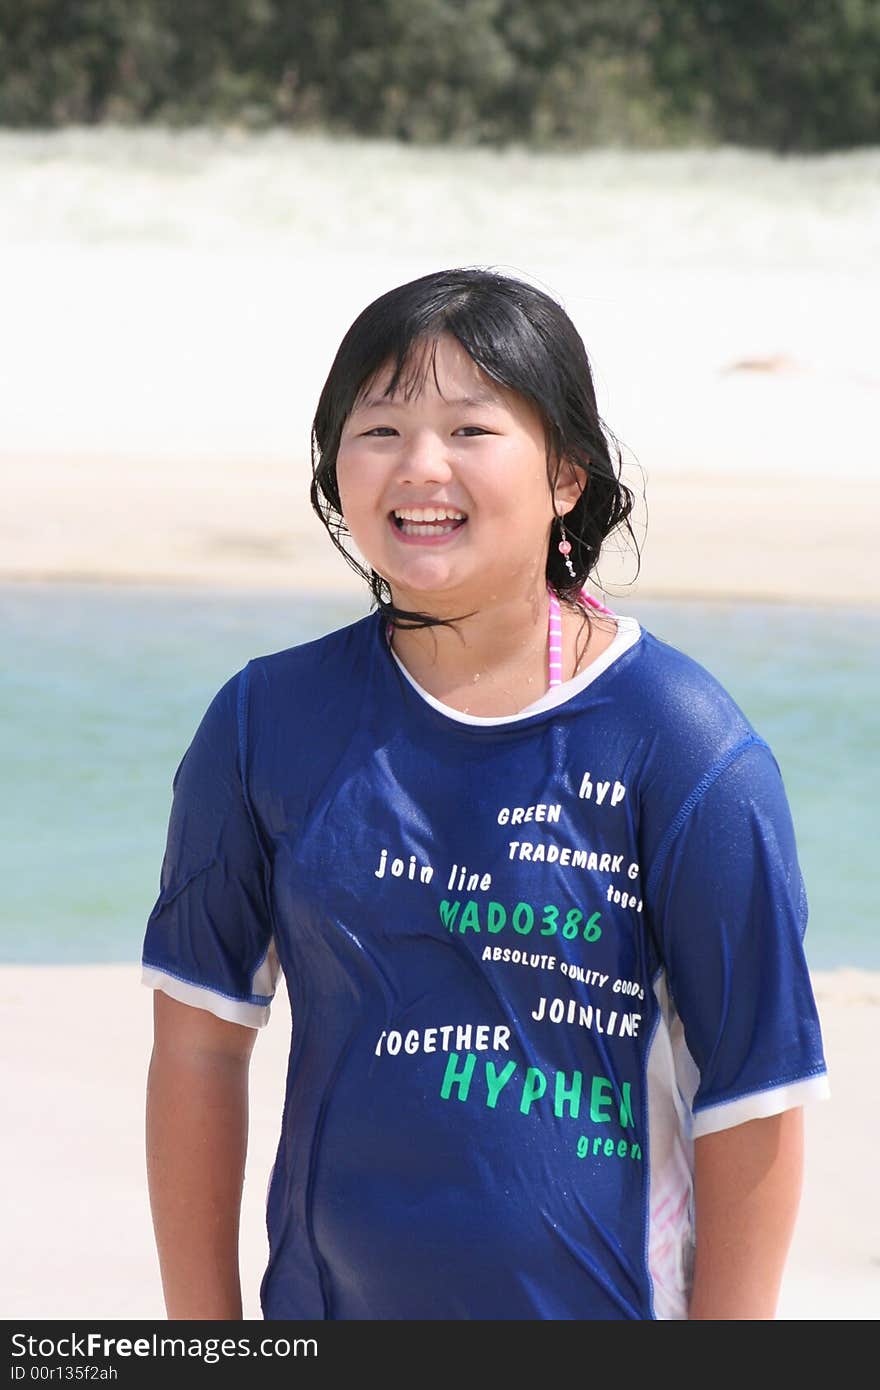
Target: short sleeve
x: 209, y: 938
x: 729, y: 908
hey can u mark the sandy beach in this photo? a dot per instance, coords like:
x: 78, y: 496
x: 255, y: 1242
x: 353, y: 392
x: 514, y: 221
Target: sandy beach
x: 78, y: 1235
x: 173, y: 303
x: 248, y: 524
x: 747, y: 452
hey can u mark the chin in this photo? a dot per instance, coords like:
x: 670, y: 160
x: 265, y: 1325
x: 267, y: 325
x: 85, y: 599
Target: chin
x: 422, y: 593
x: 424, y: 578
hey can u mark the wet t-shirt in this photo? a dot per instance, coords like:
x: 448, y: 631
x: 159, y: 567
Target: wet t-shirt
x: 529, y: 960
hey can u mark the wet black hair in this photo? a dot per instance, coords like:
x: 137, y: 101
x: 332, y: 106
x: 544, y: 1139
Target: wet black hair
x: 521, y: 338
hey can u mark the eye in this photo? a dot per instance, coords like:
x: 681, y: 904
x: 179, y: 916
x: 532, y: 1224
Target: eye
x: 478, y: 428
x: 378, y: 429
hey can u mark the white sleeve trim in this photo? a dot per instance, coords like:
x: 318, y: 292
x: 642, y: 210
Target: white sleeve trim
x: 232, y: 1010
x: 760, y: 1104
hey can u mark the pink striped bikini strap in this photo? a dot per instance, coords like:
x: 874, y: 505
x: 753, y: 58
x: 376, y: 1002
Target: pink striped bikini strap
x: 554, y: 643
x: 554, y: 635
x: 594, y: 603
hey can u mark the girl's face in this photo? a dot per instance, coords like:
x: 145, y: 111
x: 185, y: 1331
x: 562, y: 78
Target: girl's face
x: 447, y: 494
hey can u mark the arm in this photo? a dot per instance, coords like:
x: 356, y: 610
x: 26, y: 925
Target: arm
x: 196, y: 1133
x: 747, y: 1192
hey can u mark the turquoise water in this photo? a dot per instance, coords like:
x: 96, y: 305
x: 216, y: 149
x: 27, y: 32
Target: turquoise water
x: 102, y: 689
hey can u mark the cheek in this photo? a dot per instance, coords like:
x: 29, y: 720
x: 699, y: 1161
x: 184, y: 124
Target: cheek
x: 360, y: 491
x: 350, y: 480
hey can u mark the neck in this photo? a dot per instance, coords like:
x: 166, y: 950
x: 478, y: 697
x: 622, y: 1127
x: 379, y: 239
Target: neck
x: 493, y: 661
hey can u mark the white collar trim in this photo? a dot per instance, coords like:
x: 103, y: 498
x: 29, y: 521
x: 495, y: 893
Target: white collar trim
x: 628, y: 633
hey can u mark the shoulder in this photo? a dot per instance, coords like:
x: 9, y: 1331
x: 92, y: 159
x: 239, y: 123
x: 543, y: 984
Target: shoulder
x: 285, y: 707
x: 294, y: 704
x: 338, y: 657
x: 290, y: 680
x: 683, y: 726
x: 673, y: 696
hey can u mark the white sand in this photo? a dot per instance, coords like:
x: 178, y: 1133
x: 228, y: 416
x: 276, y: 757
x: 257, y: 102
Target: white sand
x: 172, y: 304
x: 249, y: 525
x: 77, y: 1233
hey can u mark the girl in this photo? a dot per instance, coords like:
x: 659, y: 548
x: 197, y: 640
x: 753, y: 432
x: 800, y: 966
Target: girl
x: 530, y: 874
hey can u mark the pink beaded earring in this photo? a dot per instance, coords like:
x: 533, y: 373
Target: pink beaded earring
x: 564, y: 548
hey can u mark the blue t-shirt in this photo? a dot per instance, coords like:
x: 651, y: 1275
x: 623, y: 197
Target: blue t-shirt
x: 529, y: 961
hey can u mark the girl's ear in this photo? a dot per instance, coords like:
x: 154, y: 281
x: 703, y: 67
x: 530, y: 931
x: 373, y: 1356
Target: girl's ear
x: 570, y: 483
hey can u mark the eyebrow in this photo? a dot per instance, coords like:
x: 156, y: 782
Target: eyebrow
x: 383, y: 402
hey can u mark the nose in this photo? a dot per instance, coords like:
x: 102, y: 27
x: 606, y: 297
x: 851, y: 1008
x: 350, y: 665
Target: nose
x: 426, y: 459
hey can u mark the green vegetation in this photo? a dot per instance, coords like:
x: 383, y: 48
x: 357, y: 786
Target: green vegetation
x: 549, y: 74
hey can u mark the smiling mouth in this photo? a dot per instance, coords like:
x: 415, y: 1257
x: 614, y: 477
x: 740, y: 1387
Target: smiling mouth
x: 428, y: 521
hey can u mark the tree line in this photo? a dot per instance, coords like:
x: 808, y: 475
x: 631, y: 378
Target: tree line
x: 789, y: 75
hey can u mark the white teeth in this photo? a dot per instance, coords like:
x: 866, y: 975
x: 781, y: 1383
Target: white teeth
x: 423, y: 514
